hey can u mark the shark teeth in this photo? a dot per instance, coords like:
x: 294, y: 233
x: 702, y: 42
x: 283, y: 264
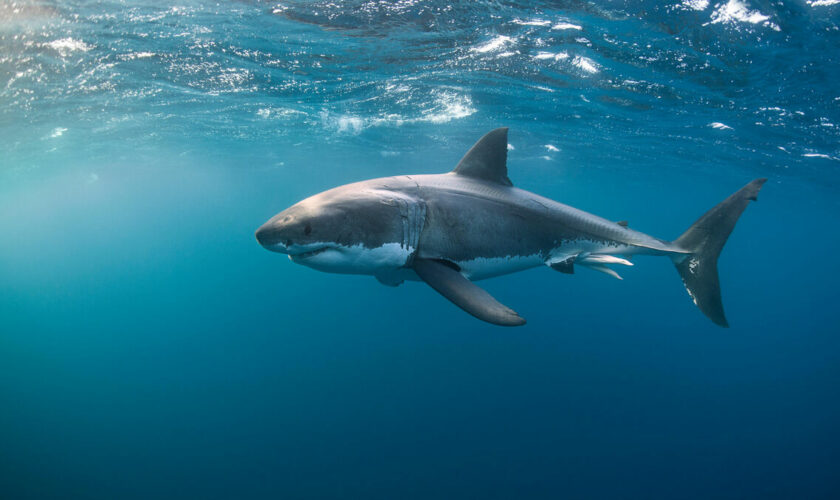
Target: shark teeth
x: 306, y: 255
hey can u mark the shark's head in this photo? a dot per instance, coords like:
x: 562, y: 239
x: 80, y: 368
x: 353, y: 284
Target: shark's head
x: 348, y: 229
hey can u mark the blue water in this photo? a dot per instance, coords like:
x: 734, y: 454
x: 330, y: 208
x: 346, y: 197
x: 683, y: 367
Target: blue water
x: 150, y: 348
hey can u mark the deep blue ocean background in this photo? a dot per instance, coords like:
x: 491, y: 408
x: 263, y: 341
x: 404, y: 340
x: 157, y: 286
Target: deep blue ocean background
x: 150, y: 348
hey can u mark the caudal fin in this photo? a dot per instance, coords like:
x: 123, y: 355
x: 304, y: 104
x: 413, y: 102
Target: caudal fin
x: 705, y: 239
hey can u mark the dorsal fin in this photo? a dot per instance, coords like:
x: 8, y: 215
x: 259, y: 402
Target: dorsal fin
x: 487, y: 159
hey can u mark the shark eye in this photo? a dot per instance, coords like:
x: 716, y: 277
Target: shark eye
x: 307, y: 230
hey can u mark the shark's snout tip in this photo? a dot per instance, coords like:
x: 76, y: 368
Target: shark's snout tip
x: 260, y: 235
x: 270, y: 238
x: 266, y: 236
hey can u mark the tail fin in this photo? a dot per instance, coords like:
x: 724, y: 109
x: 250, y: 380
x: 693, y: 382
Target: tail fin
x: 705, y: 239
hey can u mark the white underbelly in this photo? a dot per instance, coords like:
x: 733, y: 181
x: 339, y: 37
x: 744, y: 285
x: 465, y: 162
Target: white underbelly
x: 357, y: 259
x: 487, y: 267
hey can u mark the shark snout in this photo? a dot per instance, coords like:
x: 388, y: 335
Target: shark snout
x: 270, y: 237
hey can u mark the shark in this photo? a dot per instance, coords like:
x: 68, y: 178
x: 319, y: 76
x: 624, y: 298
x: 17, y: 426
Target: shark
x: 453, y: 229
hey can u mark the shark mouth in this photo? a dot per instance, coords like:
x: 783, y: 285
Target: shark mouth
x: 311, y: 253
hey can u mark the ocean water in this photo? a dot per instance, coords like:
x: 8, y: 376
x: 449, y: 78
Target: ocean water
x: 150, y: 348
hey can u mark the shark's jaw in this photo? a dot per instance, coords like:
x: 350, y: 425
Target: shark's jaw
x: 355, y: 259
x: 298, y: 257
x: 299, y: 253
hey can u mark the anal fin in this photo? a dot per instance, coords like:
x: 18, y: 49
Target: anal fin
x: 450, y: 283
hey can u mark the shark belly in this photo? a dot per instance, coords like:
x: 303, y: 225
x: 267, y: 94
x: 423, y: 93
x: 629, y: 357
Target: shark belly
x: 488, y: 267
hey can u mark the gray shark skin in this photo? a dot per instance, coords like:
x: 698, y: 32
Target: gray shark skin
x: 452, y: 229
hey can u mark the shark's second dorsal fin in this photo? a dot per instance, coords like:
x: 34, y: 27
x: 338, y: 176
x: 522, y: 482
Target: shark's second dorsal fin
x: 487, y: 159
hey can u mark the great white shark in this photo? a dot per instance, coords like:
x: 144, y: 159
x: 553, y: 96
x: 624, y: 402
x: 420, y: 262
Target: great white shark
x: 452, y: 229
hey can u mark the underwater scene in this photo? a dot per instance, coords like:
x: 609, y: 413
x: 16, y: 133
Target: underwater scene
x: 153, y: 346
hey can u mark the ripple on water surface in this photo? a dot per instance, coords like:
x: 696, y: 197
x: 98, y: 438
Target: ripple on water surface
x: 683, y: 71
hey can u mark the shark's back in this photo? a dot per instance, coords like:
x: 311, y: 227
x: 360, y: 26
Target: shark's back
x: 494, y: 220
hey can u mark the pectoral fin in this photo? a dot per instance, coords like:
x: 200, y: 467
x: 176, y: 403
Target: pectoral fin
x: 450, y: 283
